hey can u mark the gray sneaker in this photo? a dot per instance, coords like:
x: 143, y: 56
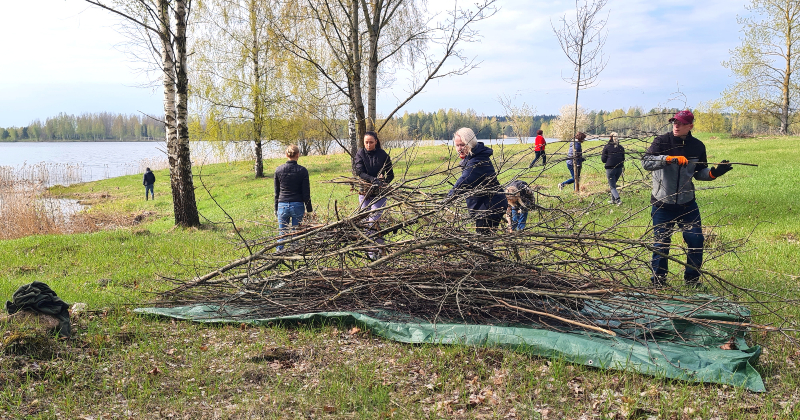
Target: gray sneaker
x: 560, y: 187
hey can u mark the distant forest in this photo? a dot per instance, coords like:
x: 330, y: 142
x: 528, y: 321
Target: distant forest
x: 104, y: 126
x: 439, y: 125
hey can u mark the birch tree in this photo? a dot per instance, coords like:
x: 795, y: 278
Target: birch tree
x: 161, y: 26
x: 765, y: 65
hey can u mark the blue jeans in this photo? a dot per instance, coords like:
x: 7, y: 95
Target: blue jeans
x: 687, y: 217
x: 571, y: 175
x: 372, y: 203
x: 149, y: 188
x: 519, y: 218
x: 289, y: 216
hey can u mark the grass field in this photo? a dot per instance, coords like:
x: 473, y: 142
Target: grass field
x: 125, y: 366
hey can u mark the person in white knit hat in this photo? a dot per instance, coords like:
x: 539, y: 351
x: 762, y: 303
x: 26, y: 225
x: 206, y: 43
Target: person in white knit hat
x: 478, y: 182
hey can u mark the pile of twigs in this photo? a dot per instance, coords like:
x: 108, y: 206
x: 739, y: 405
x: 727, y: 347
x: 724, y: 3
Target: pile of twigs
x: 424, y: 260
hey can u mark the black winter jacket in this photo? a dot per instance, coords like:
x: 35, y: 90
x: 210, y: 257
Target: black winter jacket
x: 370, y: 166
x: 613, y: 155
x: 149, y: 178
x: 292, y: 185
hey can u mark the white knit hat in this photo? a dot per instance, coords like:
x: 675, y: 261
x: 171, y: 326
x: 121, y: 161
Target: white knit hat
x: 467, y: 136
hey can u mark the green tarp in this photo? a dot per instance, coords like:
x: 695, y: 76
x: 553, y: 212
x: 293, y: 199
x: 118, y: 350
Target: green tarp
x: 703, y: 362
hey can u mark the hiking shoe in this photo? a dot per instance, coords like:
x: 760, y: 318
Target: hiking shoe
x: 694, y: 282
x: 618, y: 202
x: 659, y: 281
x: 696, y: 285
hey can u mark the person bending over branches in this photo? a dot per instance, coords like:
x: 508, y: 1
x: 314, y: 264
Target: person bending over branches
x: 675, y: 159
x: 478, y: 182
x: 520, y: 201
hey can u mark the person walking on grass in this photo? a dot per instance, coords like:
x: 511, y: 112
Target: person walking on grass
x: 574, y: 158
x: 373, y: 165
x: 538, y: 148
x: 613, y: 157
x: 478, y: 182
x: 148, y: 181
x: 520, y: 201
x: 675, y: 159
x: 292, y: 193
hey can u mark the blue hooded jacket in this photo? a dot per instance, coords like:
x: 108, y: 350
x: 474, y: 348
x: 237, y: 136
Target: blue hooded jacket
x: 477, y: 172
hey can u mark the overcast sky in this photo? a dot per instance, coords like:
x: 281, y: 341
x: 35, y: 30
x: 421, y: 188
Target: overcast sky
x: 64, y: 56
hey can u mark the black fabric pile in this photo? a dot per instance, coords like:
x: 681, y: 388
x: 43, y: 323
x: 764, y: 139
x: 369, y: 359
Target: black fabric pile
x: 39, y: 297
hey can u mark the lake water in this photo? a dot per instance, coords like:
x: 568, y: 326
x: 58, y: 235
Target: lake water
x: 69, y: 162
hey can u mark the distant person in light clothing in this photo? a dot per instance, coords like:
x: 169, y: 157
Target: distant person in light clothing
x: 538, y: 148
x: 148, y: 181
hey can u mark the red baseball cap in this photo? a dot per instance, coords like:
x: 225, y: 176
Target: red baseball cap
x: 683, y: 117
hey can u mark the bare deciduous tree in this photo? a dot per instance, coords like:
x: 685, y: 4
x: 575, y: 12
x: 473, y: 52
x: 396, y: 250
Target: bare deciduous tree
x: 519, y: 117
x: 582, y: 41
x: 397, y: 33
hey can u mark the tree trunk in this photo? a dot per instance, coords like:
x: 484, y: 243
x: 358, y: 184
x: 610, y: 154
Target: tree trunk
x: 183, y: 198
x: 577, y: 165
x: 372, y: 66
x: 787, y: 79
x: 258, y: 107
x: 356, y: 100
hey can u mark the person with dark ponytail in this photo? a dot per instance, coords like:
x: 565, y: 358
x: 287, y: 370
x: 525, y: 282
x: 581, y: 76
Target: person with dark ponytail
x: 373, y: 165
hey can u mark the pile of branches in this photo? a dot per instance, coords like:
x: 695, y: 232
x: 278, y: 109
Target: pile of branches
x: 424, y: 260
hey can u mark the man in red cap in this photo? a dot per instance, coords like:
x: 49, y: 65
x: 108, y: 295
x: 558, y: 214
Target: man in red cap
x: 675, y: 159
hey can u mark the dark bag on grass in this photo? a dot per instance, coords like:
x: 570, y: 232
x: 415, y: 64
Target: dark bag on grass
x: 39, y: 297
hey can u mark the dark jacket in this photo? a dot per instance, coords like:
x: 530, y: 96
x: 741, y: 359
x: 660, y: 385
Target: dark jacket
x: 672, y: 184
x: 613, y: 155
x: 370, y: 166
x: 477, y: 173
x: 292, y: 185
x: 575, y: 153
x: 479, y: 183
x: 149, y: 178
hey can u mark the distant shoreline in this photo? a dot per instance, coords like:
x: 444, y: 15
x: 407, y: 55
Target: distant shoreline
x: 85, y: 141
